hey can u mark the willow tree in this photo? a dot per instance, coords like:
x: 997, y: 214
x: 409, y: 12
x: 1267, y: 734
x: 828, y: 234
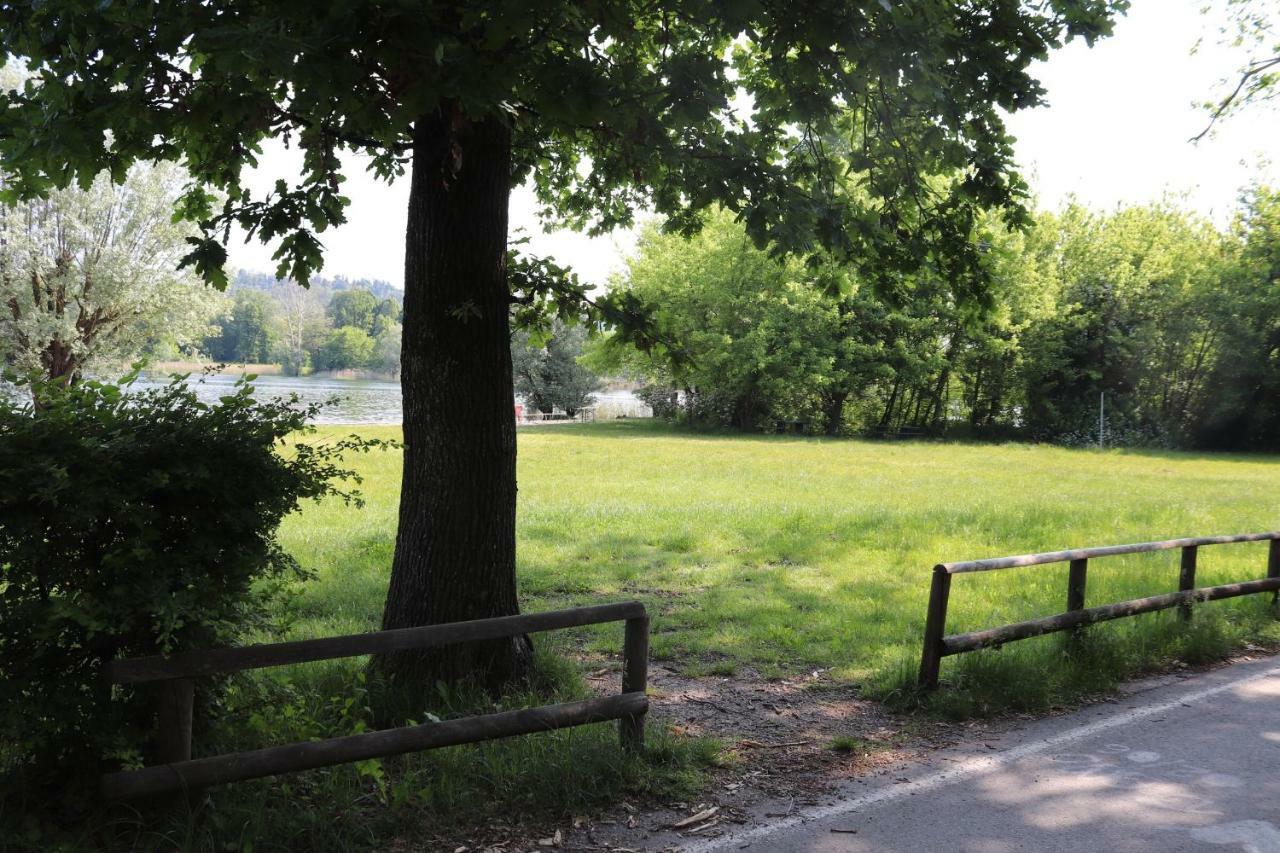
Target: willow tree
x: 88, y: 277
x: 604, y: 107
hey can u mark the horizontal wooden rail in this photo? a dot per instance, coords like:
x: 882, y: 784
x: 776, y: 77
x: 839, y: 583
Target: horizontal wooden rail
x: 957, y: 643
x: 1104, y: 551
x: 180, y: 772
x: 223, y: 661
x: 240, y: 766
x: 938, y: 646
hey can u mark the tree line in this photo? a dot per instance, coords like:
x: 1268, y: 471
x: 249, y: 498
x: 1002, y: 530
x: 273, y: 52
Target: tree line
x: 1175, y: 321
x: 334, y: 324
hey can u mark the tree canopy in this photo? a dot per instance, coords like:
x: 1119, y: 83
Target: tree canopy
x: 613, y: 105
x: 353, y: 308
x: 244, y: 333
x: 1176, y: 322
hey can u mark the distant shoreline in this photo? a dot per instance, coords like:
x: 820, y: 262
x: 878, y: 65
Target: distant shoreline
x: 168, y: 367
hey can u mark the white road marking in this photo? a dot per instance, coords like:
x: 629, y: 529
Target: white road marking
x: 973, y: 767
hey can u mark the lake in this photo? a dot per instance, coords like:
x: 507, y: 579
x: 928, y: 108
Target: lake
x: 363, y: 401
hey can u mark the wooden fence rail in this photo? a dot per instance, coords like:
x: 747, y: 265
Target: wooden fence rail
x: 181, y: 773
x: 938, y: 645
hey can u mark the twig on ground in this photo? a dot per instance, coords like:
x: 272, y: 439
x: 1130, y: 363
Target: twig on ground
x: 709, y: 704
x: 698, y: 818
x: 707, y: 825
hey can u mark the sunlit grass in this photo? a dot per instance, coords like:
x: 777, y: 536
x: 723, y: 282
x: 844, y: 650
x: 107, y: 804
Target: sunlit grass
x: 785, y: 554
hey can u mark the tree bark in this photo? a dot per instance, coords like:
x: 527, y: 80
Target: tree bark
x: 833, y: 411
x: 893, y: 401
x: 455, y: 546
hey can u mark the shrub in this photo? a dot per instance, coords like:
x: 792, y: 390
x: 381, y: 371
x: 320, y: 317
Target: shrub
x: 133, y: 523
x: 664, y: 401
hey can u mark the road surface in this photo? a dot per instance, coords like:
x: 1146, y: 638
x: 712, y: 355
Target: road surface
x: 1192, y: 765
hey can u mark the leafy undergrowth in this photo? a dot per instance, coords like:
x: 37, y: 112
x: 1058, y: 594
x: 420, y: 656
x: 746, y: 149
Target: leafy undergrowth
x: 419, y: 798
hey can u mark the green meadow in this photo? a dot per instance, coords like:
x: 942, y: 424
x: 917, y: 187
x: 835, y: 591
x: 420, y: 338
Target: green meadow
x: 758, y: 557
x: 775, y: 555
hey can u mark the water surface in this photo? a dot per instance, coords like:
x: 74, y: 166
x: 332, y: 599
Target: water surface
x: 358, y: 401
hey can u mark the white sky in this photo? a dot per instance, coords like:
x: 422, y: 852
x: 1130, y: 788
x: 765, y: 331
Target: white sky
x: 1115, y: 131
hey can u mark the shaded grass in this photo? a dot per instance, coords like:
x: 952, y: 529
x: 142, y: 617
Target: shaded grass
x: 782, y: 554
x: 417, y: 799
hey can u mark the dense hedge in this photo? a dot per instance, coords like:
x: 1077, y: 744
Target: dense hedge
x: 133, y: 523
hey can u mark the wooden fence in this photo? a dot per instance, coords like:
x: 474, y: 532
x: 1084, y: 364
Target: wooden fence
x: 937, y: 645
x: 182, y: 773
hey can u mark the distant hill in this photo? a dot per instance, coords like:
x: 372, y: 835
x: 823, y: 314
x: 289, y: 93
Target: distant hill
x: 324, y: 287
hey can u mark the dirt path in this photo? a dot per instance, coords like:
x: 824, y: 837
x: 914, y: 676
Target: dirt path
x: 790, y: 744
x: 780, y: 758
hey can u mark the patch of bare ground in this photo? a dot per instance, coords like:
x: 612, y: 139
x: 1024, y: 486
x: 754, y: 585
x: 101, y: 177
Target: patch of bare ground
x: 787, y: 743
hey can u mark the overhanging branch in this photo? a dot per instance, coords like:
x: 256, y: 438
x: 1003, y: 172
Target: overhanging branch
x: 1251, y: 71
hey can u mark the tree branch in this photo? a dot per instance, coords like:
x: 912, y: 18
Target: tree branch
x: 1248, y: 74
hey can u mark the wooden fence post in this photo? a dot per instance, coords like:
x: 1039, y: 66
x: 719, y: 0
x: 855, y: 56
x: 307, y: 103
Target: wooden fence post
x: 177, y: 701
x: 935, y: 628
x: 177, y: 709
x: 176, y: 772
x: 635, y: 678
x: 1273, y: 566
x: 1077, y: 577
x: 1187, y: 579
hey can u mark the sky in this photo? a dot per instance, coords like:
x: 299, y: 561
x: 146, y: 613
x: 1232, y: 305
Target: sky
x: 1115, y: 131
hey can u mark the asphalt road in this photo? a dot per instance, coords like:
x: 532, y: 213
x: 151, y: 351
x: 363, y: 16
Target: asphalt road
x: 1192, y: 765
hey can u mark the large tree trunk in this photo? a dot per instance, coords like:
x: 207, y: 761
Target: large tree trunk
x: 455, y: 547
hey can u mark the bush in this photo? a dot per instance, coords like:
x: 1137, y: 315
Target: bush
x: 664, y: 401
x: 133, y: 523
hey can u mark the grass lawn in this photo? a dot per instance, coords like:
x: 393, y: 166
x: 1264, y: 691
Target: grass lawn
x: 784, y: 554
x: 759, y: 556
